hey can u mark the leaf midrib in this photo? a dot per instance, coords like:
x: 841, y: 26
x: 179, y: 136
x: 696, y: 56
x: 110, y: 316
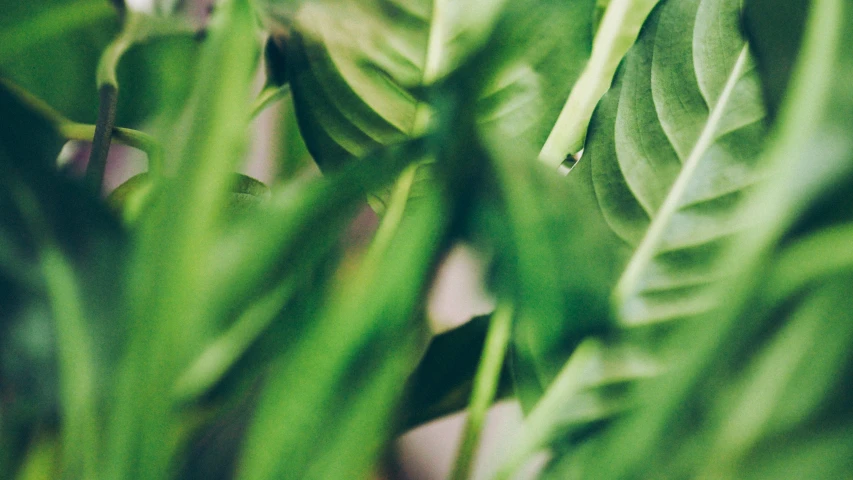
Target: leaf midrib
x: 432, y: 63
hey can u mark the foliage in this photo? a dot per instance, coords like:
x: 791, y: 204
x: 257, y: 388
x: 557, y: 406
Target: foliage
x: 677, y: 305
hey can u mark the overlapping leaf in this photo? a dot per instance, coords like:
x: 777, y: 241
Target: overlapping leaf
x: 671, y: 149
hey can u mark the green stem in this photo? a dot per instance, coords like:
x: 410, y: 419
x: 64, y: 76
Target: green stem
x: 126, y: 136
x: 70, y: 130
x: 108, y: 99
x: 485, y: 387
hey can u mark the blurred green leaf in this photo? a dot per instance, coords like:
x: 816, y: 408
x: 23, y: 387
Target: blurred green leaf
x: 51, y: 48
x: 775, y: 31
x: 168, y: 291
x: 156, y: 77
x: 59, y: 253
x: 26, y: 134
x: 354, y: 68
x: 359, y: 84
x: 360, y: 349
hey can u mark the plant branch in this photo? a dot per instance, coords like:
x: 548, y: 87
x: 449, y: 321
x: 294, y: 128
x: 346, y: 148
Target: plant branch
x: 108, y: 99
x: 485, y: 387
x: 126, y: 136
x: 71, y: 130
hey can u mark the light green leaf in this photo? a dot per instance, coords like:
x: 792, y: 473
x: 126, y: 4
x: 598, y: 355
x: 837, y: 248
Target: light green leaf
x: 616, y: 33
x: 359, y: 349
x: 167, y: 294
x: 673, y: 149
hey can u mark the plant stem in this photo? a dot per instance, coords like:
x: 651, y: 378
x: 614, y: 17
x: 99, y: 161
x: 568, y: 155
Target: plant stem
x: 108, y: 98
x: 126, y: 136
x: 71, y: 130
x: 617, y: 32
x: 485, y: 386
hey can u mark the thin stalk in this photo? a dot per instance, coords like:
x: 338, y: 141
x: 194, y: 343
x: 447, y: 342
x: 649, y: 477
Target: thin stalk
x: 485, y: 387
x: 126, y: 136
x: 108, y: 99
x: 71, y: 130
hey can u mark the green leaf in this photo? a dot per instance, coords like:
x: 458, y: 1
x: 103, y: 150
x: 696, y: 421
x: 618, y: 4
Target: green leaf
x: 167, y: 295
x: 360, y: 349
x: 761, y: 382
x: 358, y: 70
x: 673, y: 149
x: 26, y: 134
x: 51, y: 48
x: 156, y: 77
x: 775, y: 31
x: 441, y: 383
x: 60, y: 252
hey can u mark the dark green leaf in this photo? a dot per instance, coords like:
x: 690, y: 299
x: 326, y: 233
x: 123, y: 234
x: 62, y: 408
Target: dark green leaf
x: 51, y: 48
x: 442, y: 382
x: 775, y: 30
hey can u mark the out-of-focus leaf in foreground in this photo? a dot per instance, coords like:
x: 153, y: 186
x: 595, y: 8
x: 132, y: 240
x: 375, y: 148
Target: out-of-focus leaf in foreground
x: 167, y: 295
x: 59, y: 251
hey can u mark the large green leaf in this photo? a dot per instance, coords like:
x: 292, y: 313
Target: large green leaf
x: 358, y: 69
x: 673, y: 149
